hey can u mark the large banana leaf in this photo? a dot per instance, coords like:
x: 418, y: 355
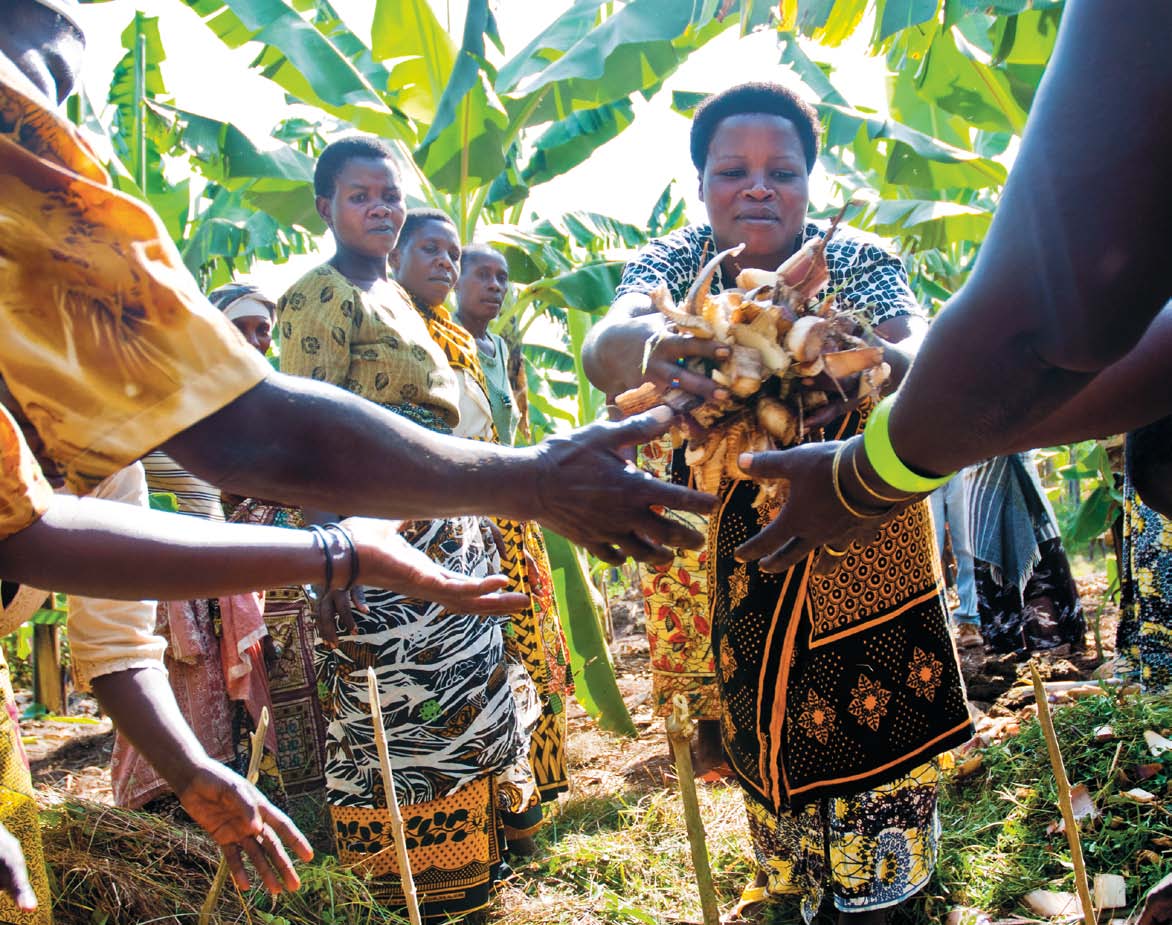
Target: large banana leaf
x: 306, y: 63
x: 579, y: 606
x: 585, y: 59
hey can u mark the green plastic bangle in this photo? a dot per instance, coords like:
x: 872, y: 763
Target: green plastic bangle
x: 881, y: 454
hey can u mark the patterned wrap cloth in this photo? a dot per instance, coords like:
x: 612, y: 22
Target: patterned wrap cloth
x: 837, y: 691
x: 1143, y: 640
x: 676, y: 608
x: 444, y: 680
x: 109, y: 347
x: 535, y: 635
x: 1026, y: 595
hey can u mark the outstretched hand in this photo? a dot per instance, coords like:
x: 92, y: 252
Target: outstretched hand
x: 235, y: 814
x: 389, y: 561
x: 586, y: 492
x: 14, y: 873
x: 814, y: 514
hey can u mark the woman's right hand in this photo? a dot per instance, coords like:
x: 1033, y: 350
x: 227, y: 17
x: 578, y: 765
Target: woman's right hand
x: 667, y: 359
x: 388, y: 561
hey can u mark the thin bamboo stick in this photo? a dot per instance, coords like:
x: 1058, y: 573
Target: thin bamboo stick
x: 679, y: 733
x: 1064, y: 802
x: 257, y: 739
x: 400, y: 834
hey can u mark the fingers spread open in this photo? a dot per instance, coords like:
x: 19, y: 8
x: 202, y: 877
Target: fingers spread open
x: 286, y: 831
x: 236, y: 866
x: 264, y: 851
x: 665, y: 530
x: 676, y: 497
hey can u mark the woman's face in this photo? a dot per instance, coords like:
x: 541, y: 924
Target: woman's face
x: 481, y: 290
x: 366, y: 210
x: 428, y: 263
x: 257, y: 331
x: 755, y: 187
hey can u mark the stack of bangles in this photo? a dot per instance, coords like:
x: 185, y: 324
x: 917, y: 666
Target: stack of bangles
x: 903, y: 483
x: 336, y: 540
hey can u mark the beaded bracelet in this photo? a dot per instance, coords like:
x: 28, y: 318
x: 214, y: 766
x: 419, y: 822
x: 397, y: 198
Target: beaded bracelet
x: 883, y: 459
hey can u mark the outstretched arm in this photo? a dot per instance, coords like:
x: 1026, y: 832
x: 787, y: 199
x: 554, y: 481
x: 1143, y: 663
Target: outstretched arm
x: 105, y: 549
x: 1076, y: 264
x: 320, y: 447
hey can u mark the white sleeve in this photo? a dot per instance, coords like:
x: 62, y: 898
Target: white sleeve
x: 109, y: 636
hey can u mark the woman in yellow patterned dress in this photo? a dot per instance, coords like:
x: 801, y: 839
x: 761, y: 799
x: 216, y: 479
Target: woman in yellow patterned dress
x: 444, y: 680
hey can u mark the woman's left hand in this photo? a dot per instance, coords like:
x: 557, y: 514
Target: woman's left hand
x: 813, y: 515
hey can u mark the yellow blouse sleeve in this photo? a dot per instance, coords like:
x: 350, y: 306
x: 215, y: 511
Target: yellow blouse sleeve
x: 316, y: 328
x: 108, y: 343
x: 24, y: 493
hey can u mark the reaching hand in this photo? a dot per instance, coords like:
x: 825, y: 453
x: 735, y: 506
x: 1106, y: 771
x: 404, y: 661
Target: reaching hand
x: 389, y: 561
x: 14, y: 874
x: 586, y: 492
x: 337, y: 609
x: 814, y: 514
x: 240, y: 820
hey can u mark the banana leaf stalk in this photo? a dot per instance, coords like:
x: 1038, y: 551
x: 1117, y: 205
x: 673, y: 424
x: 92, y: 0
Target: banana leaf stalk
x: 257, y: 739
x: 400, y: 834
x: 1064, y: 801
x: 680, y: 727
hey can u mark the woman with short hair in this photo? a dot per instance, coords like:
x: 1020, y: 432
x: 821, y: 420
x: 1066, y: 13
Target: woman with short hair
x: 838, y: 686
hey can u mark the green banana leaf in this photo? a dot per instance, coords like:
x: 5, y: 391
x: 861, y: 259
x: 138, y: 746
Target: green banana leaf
x: 579, y: 606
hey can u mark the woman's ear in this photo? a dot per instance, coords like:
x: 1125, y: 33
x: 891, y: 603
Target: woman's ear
x: 322, y: 203
x: 700, y: 184
x: 393, y: 259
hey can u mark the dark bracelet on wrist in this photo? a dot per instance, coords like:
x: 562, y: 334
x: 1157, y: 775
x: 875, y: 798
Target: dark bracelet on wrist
x: 321, y: 534
x: 345, y: 534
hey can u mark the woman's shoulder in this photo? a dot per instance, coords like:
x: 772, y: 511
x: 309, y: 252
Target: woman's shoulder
x: 850, y: 243
x: 692, y: 239
x: 321, y: 284
x: 673, y: 258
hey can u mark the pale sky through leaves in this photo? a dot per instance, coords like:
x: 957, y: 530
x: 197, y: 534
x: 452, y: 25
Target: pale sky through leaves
x: 622, y: 179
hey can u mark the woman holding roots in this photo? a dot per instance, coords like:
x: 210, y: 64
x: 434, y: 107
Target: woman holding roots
x: 838, y: 681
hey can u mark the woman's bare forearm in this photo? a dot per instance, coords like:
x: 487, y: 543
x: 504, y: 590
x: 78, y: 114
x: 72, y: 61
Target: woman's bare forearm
x: 612, y: 356
x: 1075, y: 266
x: 299, y: 441
x: 1126, y: 395
x: 143, y: 707
x: 109, y: 550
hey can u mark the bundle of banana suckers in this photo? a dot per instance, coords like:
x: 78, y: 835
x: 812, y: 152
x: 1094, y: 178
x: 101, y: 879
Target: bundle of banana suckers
x: 781, y: 338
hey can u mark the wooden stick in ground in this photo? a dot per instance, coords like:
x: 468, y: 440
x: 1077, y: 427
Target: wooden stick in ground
x: 257, y: 739
x: 397, y: 830
x: 1064, y: 804
x: 679, y: 733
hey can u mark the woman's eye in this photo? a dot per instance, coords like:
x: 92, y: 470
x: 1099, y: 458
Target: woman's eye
x: 783, y: 175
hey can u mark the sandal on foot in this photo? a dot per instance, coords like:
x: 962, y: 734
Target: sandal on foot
x: 749, y: 907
